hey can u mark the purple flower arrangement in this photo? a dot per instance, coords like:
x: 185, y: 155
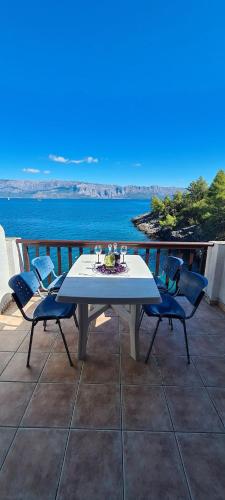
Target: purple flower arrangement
x: 117, y: 269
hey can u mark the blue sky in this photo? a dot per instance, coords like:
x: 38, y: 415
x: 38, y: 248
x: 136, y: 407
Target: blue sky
x: 124, y: 91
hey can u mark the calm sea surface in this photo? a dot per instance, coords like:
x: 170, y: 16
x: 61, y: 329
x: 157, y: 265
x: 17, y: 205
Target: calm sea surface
x: 72, y: 219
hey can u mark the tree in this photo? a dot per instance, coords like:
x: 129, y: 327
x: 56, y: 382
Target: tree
x: 216, y: 200
x: 169, y: 221
x: 197, y: 190
x: 217, y: 188
x: 157, y: 205
x: 199, y: 205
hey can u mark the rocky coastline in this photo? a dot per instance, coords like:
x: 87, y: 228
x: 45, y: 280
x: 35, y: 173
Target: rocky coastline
x: 150, y: 225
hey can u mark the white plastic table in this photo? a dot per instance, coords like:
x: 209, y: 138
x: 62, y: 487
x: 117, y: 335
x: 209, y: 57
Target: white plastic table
x: 123, y: 292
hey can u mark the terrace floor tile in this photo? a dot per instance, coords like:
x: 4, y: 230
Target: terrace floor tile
x: 145, y: 408
x: 4, y: 359
x: 42, y: 342
x: 6, y: 436
x: 172, y: 343
x: 192, y: 410
x: 152, y: 467
x: 105, y: 324
x: 176, y: 371
x: 137, y: 372
x: 211, y: 369
x: 93, y: 466
x: 103, y: 342
x: 13, y: 322
x: 16, y: 370
x: 58, y: 369
x: 14, y: 397
x: 36, y: 476
x: 204, y: 461
x: 11, y: 340
x: 207, y: 345
x: 144, y: 342
x: 110, y: 427
x: 50, y: 406
x: 101, y: 369
x: 97, y: 407
x: 218, y: 397
x: 72, y: 342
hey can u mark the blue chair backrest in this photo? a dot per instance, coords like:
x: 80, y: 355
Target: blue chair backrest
x: 43, y: 266
x: 172, y: 266
x: 24, y: 286
x: 191, y: 285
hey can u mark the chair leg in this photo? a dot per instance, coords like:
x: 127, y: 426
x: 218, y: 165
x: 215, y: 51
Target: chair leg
x: 65, y: 343
x: 45, y: 324
x: 75, y: 321
x: 186, y: 341
x: 152, y: 341
x: 30, y: 344
x: 141, y: 317
x: 170, y: 324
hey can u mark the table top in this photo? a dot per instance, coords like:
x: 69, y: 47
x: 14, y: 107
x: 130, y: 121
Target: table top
x: 83, y: 285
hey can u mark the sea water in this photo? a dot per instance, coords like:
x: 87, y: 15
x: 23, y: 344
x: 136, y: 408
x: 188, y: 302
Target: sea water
x: 83, y: 219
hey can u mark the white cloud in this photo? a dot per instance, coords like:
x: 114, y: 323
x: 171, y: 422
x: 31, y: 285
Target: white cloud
x: 31, y: 170
x: 137, y: 164
x: 46, y: 172
x: 61, y: 159
x: 77, y: 162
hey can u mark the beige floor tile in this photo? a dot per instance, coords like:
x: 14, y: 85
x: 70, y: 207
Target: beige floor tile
x: 58, y: 369
x: 17, y: 370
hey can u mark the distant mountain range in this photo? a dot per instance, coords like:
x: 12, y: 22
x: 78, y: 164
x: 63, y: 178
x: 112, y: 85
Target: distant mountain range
x: 77, y: 189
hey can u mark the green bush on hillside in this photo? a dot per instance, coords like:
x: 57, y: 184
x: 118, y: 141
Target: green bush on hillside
x: 199, y: 205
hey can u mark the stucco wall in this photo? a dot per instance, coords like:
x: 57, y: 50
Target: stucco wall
x: 9, y: 265
x: 215, y: 272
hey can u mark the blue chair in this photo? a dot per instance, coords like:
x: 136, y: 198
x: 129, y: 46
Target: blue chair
x: 191, y: 286
x: 44, y: 268
x: 24, y: 286
x: 171, y: 270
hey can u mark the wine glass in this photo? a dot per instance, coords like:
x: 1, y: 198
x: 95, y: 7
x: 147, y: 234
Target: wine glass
x: 123, y: 251
x: 98, y: 251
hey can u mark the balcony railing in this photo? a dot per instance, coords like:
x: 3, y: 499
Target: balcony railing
x: 65, y: 252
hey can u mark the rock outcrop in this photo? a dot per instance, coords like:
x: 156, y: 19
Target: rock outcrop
x: 148, y: 224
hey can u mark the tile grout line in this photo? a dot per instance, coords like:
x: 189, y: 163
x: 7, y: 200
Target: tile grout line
x: 13, y: 352
x: 209, y: 396
x: 18, y: 426
x: 121, y: 413
x: 69, y: 433
x: 174, y: 433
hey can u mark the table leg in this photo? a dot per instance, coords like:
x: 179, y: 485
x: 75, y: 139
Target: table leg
x: 83, y: 330
x: 134, y: 330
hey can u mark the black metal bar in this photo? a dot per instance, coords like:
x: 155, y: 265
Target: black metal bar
x: 75, y: 321
x: 65, y: 343
x: 30, y: 343
x: 186, y: 340
x: 152, y: 341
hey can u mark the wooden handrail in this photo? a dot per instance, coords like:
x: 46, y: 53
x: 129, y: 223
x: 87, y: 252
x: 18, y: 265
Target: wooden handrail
x: 189, y: 249
x: 138, y: 244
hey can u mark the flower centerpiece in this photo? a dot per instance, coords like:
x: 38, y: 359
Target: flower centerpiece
x: 111, y: 263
